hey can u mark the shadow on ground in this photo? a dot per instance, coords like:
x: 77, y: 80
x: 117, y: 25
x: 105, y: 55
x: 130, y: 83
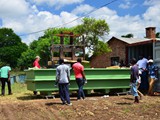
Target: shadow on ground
x: 124, y: 103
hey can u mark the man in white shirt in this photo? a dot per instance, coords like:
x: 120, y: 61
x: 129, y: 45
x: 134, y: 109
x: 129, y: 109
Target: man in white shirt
x: 142, y: 65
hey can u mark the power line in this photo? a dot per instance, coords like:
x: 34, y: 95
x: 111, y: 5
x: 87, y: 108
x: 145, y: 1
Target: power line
x: 72, y: 20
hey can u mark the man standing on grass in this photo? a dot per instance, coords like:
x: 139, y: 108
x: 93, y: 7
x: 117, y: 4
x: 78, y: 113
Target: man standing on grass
x: 5, y: 78
x: 80, y: 77
x: 63, y: 79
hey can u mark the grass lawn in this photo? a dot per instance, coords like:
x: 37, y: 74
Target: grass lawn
x: 18, y: 90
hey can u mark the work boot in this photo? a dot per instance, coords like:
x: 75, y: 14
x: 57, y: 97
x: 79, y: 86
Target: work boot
x: 136, y: 100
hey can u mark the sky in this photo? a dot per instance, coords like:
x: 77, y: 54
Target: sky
x: 29, y: 18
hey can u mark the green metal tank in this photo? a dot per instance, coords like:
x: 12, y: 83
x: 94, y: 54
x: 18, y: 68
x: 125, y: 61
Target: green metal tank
x: 102, y: 79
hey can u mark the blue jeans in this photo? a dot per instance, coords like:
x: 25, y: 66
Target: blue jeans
x: 134, y: 90
x: 64, y: 93
x: 80, y: 83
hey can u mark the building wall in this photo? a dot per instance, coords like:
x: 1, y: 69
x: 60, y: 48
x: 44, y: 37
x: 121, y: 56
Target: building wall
x: 99, y: 61
x: 118, y: 50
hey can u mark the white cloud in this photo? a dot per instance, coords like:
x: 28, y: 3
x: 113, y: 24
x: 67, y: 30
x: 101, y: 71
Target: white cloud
x: 121, y: 25
x: 127, y: 4
x: 30, y: 19
x: 152, y: 13
x: 82, y: 9
x: 37, y: 21
x: 151, y: 16
x: 13, y: 8
x: 151, y: 2
x: 56, y: 3
x: 29, y: 38
x: 68, y: 18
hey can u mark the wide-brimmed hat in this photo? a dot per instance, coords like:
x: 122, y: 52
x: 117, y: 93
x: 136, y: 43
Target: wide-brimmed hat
x: 150, y: 61
x: 37, y: 57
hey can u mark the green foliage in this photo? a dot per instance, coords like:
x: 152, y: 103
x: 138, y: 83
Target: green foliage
x: 11, y: 47
x: 102, y: 48
x: 33, y: 45
x: 42, y: 46
x: 130, y: 35
x: 92, y: 29
x: 26, y: 59
x: 158, y: 35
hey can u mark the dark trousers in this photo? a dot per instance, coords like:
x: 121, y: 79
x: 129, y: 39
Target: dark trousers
x: 144, y: 82
x: 64, y: 92
x: 4, y: 81
x: 80, y: 83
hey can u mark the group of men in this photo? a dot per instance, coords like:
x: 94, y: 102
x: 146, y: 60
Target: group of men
x: 143, y: 76
x: 140, y: 71
x: 63, y: 80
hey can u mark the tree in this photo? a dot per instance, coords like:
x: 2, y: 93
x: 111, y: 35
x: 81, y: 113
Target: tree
x: 102, y: 48
x: 11, y: 47
x: 158, y: 35
x: 26, y: 59
x: 42, y: 46
x: 130, y: 35
x: 92, y: 30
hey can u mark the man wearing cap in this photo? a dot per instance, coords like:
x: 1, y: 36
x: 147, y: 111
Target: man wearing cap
x: 36, y: 62
x: 37, y: 66
x: 142, y: 65
x: 152, y: 72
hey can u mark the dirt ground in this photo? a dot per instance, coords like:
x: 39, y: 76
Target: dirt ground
x: 92, y: 108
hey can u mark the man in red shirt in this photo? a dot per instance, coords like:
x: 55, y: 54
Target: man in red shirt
x: 36, y: 62
x: 78, y: 69
x: 36, y: 65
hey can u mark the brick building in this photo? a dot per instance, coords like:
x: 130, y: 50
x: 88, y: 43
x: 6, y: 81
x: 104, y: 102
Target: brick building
x: 123, y: 49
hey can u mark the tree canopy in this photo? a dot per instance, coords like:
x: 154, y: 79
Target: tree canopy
x: 102, y: 48
x: 11, y: 47
x: 130, y: 35
x: 158, y: 35
x: 92, y: 30
x: 41, y: 47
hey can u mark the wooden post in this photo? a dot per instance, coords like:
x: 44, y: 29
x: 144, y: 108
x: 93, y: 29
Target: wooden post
x: 83, y: 42
x: 72, y: 54
x: 61, y: 46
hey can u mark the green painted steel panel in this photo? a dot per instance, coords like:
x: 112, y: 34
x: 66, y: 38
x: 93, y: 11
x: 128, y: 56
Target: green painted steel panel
x: 100, y: 78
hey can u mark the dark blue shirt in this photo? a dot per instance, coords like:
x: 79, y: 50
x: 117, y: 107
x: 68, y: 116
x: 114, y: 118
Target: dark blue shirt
x: 134, y: 73
x: 152, y: 70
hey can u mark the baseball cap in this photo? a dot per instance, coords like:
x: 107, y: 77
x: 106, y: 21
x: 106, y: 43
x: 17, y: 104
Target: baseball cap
x: 150, y: 60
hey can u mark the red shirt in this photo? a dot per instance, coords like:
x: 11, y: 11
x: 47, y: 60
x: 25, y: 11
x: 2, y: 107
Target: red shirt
x: 78, y: 69
x: 36, y: 64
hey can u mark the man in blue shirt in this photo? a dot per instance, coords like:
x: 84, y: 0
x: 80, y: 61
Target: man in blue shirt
x: 5, y: 78
x: 62, y: 79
